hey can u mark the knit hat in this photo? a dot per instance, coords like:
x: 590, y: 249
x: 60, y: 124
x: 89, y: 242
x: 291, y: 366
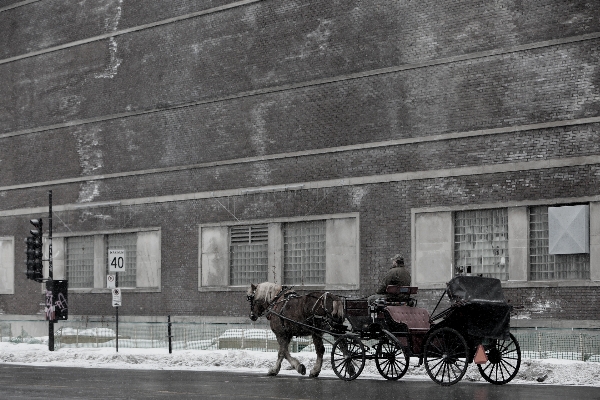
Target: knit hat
x: 399, y: 259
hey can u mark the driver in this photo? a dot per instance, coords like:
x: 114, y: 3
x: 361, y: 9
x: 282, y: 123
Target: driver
x: 397, y: 275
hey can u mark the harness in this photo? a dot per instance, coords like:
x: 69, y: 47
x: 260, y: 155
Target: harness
x: 284, y: 296
x: 285, y: 291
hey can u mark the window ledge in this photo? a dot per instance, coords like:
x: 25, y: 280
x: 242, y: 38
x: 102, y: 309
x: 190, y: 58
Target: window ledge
x: 123, y: 289
x: 524, y: 284
x: 542, y: 284
x: 297, y: 287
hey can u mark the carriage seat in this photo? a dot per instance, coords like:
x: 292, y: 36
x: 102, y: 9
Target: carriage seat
x: 416, y: 319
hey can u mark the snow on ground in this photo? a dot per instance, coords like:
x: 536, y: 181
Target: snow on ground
x: 550, y: 371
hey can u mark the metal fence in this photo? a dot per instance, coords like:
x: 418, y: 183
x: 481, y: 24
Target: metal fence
x: 571, y: 344
x: 568, y: 344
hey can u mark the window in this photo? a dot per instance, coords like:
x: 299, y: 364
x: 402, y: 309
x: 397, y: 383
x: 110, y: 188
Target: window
x: 311, y: 251
x: 80, y: 261
x: 546, y: 266
x: 518, y: 244
x: 128, y: 242
x: 7, y: 265
x: 481, y: 242
x: 304, y: 253
x: 248, y: 258
x: 85, y: 262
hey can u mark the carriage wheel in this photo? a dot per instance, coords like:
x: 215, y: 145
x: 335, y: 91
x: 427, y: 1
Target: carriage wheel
x: 391, y: 360
x: 446, y: 355
x: 348, y: 357
x: 504, y: 360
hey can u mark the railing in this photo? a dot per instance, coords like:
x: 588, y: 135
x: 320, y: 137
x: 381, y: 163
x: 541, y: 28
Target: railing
x: 571, y: 344
x: 184, y: 336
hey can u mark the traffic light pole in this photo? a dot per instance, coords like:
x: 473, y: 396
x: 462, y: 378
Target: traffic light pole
x: 50, y: 272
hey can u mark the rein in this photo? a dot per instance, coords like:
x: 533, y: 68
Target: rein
x: 309, y: 327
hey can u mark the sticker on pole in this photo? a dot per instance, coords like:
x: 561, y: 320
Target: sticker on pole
x: 116, y: 260
x: 116, y: 297
x: 110, y: 281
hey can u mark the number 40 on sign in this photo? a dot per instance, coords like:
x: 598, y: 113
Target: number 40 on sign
x: 116, y: 260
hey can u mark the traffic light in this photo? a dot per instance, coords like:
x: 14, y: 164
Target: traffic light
x: 34, y: 251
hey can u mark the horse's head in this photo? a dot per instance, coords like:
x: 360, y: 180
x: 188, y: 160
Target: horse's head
x: 250, y: 296
x: 260, y: 297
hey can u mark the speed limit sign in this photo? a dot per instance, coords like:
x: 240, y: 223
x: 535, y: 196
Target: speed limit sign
x: 116, y: 260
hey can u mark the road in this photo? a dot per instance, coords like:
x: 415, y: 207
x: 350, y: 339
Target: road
x: 27, y: 382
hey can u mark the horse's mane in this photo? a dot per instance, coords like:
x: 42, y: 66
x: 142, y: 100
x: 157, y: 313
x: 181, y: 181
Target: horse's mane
x: 267, y: 291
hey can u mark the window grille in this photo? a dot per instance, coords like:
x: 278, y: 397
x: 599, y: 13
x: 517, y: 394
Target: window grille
x: 544, y: 266
x: 481, y: 242
x: 127, y: 241
x: 249, y: 254
x: 80, y: 261
x: 304, y: 253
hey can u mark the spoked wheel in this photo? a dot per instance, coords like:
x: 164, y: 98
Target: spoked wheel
x: 504, y: 360
x: 348, y: 357
x: 446, y: 356
x: 391, y: 360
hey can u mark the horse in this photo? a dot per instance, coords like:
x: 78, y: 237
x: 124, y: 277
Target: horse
x: 293, y: 315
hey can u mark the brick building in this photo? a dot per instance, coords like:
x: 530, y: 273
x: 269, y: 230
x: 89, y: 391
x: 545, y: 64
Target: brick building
x: 225, y: 142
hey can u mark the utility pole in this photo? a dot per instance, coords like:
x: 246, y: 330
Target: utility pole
x: 50, y: 282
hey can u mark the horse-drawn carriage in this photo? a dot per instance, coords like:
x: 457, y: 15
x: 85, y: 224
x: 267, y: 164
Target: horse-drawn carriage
x: 475, y: 328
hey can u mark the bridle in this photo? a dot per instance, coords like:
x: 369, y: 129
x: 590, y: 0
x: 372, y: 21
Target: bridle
x: 250, y: 299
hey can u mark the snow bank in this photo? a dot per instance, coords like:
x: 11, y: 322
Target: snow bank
x: 541, y: 372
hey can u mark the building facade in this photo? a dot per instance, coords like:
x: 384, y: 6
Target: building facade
x: 305, y: 142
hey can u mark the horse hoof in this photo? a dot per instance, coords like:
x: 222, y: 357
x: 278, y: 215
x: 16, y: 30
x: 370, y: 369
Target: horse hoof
x: 314, y: 374
x: 272, y: 372
x: 302, y: 369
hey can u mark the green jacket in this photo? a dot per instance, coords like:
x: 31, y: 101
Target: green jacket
x: 395, y: 276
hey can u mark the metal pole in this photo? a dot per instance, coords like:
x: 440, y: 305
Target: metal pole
x: 50, y: 274
x: 117, y: 309
x: 169, y: 334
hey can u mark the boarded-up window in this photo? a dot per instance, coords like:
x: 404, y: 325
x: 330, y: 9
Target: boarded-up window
x: 569, y: 229
x: 546, y: 266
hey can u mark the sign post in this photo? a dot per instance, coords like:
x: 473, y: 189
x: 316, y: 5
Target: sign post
x: 116, y: 264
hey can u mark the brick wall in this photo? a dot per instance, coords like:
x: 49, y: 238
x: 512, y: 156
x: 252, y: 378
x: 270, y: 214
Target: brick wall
x: 455, y: 84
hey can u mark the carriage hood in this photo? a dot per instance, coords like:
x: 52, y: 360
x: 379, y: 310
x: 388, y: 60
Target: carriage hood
x: 475, y: 289
x: 484, y: 310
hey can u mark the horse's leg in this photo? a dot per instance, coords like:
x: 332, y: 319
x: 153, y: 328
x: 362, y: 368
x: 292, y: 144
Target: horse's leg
x: 281, y: 354
x: 297, y: 365
x: 320, y: 349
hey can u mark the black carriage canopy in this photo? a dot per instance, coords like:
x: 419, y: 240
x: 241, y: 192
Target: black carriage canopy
x: 483, y: 305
